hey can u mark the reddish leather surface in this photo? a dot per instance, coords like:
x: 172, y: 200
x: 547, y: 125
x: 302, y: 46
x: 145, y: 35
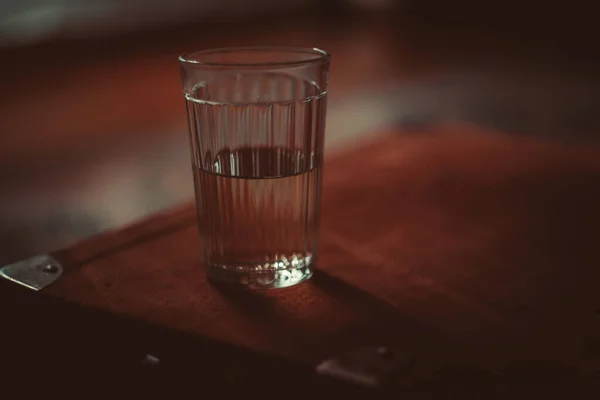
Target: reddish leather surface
x: 461, y: 246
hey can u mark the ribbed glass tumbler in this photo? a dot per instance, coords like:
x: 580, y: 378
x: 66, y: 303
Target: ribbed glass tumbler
x: 256, y: 124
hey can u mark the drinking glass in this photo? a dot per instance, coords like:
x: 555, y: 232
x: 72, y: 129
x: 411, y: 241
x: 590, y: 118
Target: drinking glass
x: 256, y: 120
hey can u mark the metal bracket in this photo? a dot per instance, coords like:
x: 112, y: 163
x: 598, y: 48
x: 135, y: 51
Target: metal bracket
x: 366, y: 366
x: 34, y: 273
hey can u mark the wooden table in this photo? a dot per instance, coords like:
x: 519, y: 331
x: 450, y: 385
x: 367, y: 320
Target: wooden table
x: 473, y: 253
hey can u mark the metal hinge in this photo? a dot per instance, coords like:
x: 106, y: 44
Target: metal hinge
x: 34, y: 273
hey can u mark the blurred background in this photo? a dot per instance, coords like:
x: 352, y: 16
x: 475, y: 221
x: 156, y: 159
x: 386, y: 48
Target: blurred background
x: 92, y: 120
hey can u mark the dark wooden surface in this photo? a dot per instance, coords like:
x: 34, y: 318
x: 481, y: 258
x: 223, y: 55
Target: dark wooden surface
x: 473, y: 251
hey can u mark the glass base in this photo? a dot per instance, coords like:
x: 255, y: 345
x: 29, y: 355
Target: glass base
x: 249, y: 278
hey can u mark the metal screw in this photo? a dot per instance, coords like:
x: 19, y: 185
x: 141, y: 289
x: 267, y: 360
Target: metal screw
x: 50, y: 269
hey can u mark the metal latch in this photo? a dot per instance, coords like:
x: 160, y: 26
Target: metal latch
x: 34, y: 273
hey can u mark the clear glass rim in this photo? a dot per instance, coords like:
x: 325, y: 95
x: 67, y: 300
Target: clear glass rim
x: 320, y: 57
